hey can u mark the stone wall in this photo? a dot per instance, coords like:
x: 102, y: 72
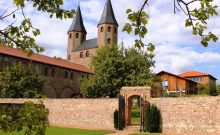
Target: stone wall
x: 190, y: 115
x: 80, y: 113
x: 183, y: 116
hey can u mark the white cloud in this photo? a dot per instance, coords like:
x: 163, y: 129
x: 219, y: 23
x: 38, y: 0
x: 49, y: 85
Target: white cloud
x: 176, y: 48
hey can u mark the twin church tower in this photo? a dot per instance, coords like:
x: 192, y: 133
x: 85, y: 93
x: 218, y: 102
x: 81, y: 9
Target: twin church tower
x: 79, y: 49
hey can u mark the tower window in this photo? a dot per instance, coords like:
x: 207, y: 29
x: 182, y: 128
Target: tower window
x: 115, y: 30
x: 69, y: 57
x: 108, y: 40
x: 87, y: 54
x: 102, y: 29
x: 70, y: 35
x: 83, y: 36
x: 77, y: 35
x: 81, y: 55
x: 109, y: 29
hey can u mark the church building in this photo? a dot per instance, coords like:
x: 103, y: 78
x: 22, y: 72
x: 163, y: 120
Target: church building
x: 80, y: 49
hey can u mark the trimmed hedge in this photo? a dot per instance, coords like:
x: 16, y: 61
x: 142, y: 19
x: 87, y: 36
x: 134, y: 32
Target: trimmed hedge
x: 153, y: 119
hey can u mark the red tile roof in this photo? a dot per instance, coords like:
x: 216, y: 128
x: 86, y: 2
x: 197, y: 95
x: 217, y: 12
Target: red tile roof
x: 194, y: 74
x: 43, y: 59
x: 174, y: 75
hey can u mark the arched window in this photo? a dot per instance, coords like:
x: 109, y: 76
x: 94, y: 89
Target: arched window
x: 77, y: 35
x: 46, y: 71
x: 71, y: 76
x: 69, y: 57
x: 102, y: 29
x: 81, y: 55
x: 87, y: 54
x: 53, y: 73
x: 65, y: 75
x: 70, y: 35
x: 83, y: 36
x: 115, y: 30
x: 108, y: 40
x: 109, y: 29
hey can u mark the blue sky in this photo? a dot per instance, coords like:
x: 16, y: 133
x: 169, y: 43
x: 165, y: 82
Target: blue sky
x: 177, y: 50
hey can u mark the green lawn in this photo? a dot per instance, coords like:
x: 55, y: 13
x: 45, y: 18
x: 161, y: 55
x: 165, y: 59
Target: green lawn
x: 135, y: 116
x: 146, y: 134
x: 66, y: 131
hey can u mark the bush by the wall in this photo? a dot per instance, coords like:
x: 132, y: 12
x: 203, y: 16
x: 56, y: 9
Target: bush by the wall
x: 176, y: 94
x: 153, y: 119
x: 116, y: 119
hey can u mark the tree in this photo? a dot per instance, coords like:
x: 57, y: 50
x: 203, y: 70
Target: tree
x: 116, y: 67
x: 20, y: 37
x: 19, y: 81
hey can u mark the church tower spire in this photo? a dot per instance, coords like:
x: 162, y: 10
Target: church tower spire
x: 76, y: 33
x: 107, y: 26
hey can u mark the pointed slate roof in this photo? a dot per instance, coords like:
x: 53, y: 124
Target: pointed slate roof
x: 77, y: 24
x: 108, y: 16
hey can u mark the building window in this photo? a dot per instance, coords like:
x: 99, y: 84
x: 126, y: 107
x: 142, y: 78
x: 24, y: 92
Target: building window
x: 53, y: 73
x: 83, y: 36
x: 109, y: 29
x: 69, y: 57
x: 77, y: 35
x: 115, y: 30
x: 65, y: 75
x: 70, y: 35
x: 102, y: 29
x: 71, y: 76
x: 87, y: 54
x: 81, y: 55
x: 196, y: 79
x: 108, y: 40
x: 165, y: 85
x: 46, y: 71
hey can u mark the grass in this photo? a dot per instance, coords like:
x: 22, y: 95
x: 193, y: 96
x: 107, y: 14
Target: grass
x: 146, y: 134
x: 65, y: 131
x: 135, y: 116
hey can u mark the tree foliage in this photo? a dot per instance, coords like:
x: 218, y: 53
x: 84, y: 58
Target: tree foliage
x: 197, y: 20
x: 29, y: 117
x: 22, y: 36
x: 116, y: 67
x: 19, y: 81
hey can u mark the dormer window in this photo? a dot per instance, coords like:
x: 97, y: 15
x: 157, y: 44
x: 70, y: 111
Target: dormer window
x: 77, y: 35
x: 87, y: 54
x: 108, y: 40
x: 81, y: 55
x: 102, y: 29
x: 109, y: 29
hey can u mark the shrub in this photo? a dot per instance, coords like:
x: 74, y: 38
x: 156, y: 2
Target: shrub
x: 176, y: 94
x: 153, y: 119
x: 28, y: 116
x: 116, y: 119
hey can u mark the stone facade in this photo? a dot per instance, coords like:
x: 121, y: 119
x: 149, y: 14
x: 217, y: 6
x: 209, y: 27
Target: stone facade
x: 78, y: 46
x: 78, y: 113
x: 181, y: 116
x: 60, y: 82
x: 86, y: 59
x: 190, y: 115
